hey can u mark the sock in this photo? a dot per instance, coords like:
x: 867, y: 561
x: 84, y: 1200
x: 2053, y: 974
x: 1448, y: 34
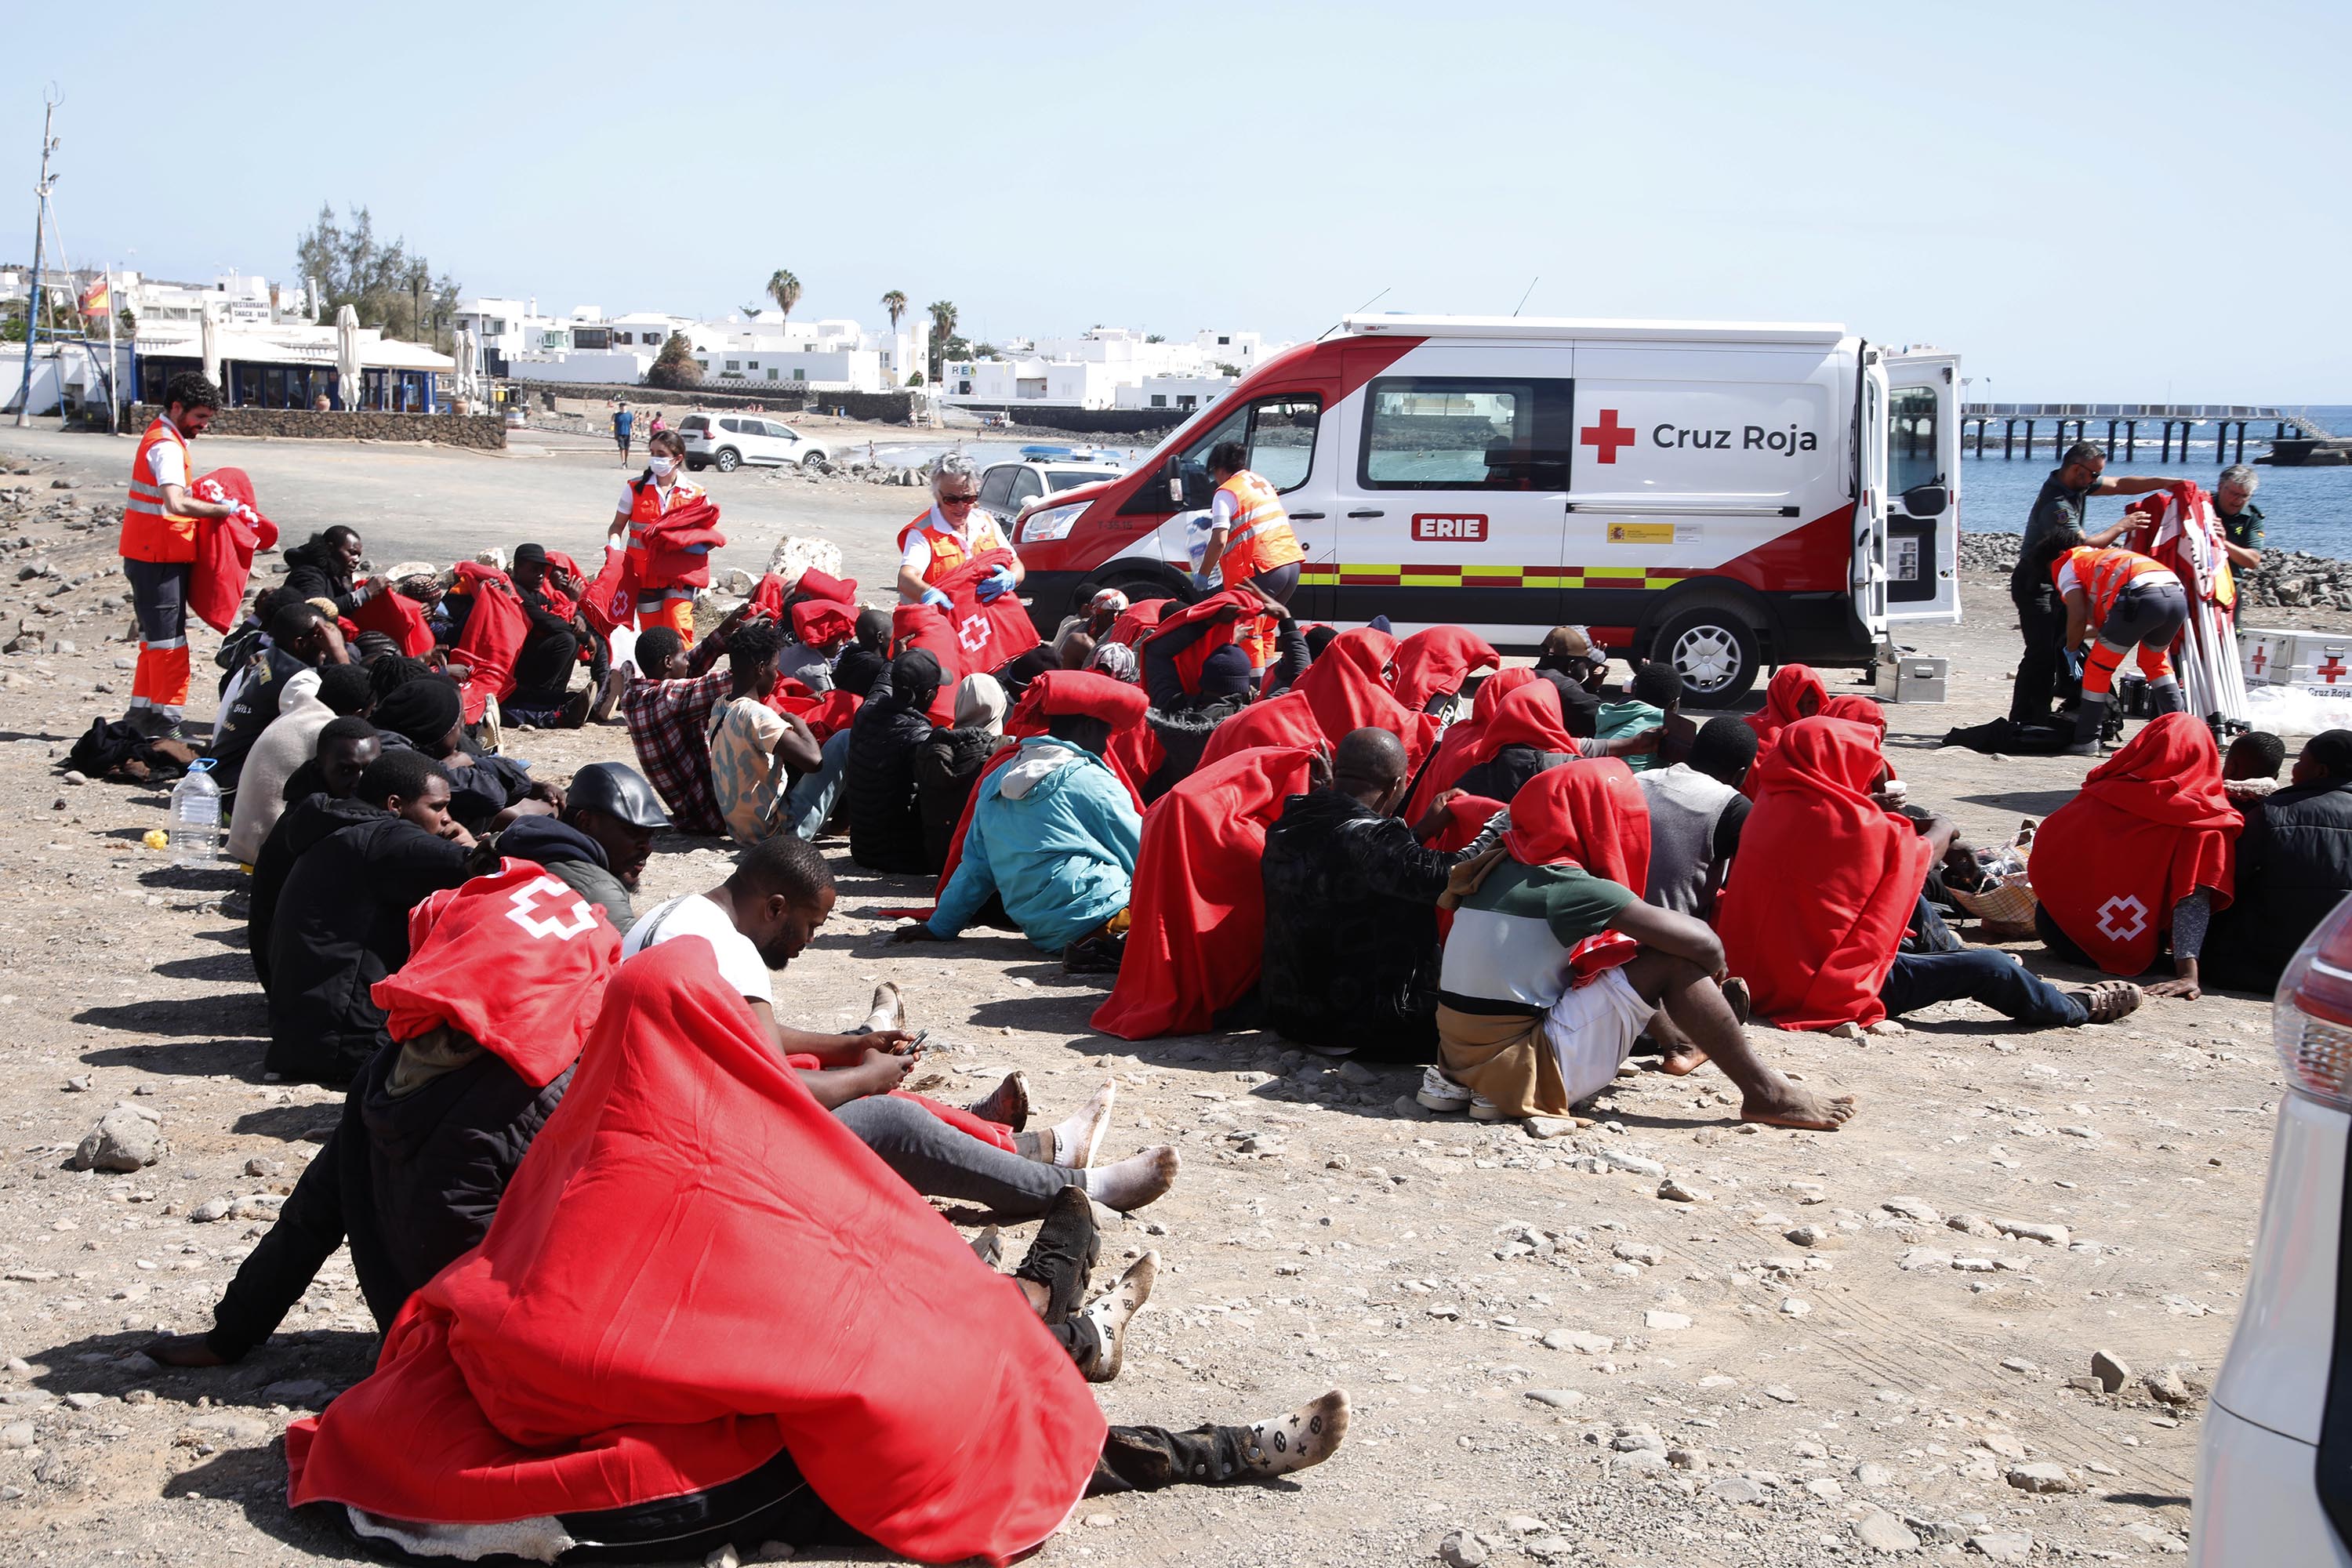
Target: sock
x: 1110, y: 1313
x: 1302, y: 1437
x: 1132, y: 1183
x: 1077, y: 1140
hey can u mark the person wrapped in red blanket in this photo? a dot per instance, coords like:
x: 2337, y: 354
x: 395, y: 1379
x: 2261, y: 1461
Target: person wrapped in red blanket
x: 2142, y: 858
x: 1795, y: 692
x: 1431, y: 666
x: 1454, y: 753
x: 493, y: 640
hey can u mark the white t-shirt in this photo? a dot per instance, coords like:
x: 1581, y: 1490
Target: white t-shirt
x: 979, y: 536
x: 1222, y: 509
x: 169, y: 462
x: 739, y: 964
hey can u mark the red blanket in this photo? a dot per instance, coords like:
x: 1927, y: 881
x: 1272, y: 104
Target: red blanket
x: 1791, y: 684
x: 987, y: 636
x: 927, y: 628
x: 1452, y: 758
x: 1285, y: 721
x: 1825, y: 883
x: 696, y: 1267
x: 1138, y: 621
x: 768, y: 597
x: 825, y: 716
x: 1197, y: 918
x: 2151, y: 826
x: 1348, y: 687
x: 493, y: 637
x: 1222, y: 627
x: 552, y: 953
x: 225, y: 550
x: 612, y: 599
x: 399, y: 617
x: 678, y: 544
x: 1468, y: 818
x: 1592, y: 815
x: 1438, y: 661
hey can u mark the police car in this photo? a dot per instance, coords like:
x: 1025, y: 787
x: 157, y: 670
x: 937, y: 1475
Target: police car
x: 1041, y: 472
x: 1722, y: 495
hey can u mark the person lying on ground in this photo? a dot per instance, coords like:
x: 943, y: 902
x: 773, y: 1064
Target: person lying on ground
x: 2294, y: 865
x: 554, y: 634
x: 754, y: 749
x: 280, y: 674
x: 485, y: 791
x: 598, y: 844
x: 950, y: 762
x: 885, y: 822
x: 1535, y: 1015
x: 345, y: 748
x: 2250, y: 769
x: 340, y: 924
x: 667, y: 1417
x: 668, y: 708
x: 1827, y: 883
x: 1053, y: 833
x: 1697, y: 813
x: 759, y: 920
x: 1351, y: 948
x: 288, y: 741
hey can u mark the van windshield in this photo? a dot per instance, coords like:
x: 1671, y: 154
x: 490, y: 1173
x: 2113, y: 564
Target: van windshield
x: 1911, y: 438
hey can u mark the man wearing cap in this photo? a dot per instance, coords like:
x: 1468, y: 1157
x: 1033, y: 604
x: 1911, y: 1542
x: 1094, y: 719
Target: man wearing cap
x: 1054, y: 832
x: 550, y: 648
x: 598, y: 843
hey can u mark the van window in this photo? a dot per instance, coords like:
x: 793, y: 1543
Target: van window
x: 1423, y: 433
x: 1911, y: 438
x: 1279, y: 433
x: 996, y: 489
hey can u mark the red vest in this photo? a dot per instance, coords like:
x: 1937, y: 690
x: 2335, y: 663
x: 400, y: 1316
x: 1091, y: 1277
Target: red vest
x: 150, y: 533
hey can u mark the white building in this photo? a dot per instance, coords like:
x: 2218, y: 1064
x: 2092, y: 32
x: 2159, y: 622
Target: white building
x: 766, y: 350
x: 1110, y: 368
x: 1176, y: 393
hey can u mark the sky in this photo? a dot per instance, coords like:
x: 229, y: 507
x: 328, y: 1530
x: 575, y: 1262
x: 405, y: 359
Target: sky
x: 2086, y: 201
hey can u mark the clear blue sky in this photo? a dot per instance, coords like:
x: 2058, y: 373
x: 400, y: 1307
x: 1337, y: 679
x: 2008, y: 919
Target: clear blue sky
x: 2085, y: 200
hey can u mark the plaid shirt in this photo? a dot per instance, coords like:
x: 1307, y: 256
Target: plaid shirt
x: 669, y: 723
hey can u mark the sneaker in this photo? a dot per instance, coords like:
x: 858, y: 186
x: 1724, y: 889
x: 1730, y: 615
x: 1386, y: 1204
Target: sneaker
x: 1441, y: 1093
x: 1485, y: 1110
x: 575, y: 709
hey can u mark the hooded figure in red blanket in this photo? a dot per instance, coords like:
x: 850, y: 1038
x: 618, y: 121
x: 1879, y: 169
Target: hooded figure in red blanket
x: 671, y: 526
x: 2142, y: 858
x: 534, y: 1397
x: 1348, y: 687
x: 491, y: 643
x: 1197, y: 922
x: 1795, y: 692
x: 436, y: 1124
x: 1433, y: 664
x: 1453, y: 754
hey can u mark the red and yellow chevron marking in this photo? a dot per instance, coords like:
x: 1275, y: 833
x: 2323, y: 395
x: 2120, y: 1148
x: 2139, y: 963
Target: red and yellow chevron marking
x: 1355, y: 575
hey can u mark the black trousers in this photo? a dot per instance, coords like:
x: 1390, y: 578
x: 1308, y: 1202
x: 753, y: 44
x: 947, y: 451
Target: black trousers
x: 543, y: 670
x: 2041, y: 617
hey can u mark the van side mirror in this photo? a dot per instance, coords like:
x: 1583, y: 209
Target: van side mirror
x: 1176, y: 487
x: 1927, y: 500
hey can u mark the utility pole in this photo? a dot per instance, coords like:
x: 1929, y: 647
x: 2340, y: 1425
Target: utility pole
x: 40, y: 231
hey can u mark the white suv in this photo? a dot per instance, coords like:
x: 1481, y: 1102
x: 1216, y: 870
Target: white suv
x: 728, y: 441
x: 2273, y: 1485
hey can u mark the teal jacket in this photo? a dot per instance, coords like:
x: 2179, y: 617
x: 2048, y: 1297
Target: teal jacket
x: 1053, y: 833
x: 1631, y: 717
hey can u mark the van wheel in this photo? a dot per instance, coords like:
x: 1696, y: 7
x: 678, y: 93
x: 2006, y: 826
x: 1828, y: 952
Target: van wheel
x: 729, y: 460
x: 1714, y: 652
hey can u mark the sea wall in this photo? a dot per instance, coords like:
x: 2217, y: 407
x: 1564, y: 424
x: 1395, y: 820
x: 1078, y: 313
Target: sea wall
x: 483, y: 432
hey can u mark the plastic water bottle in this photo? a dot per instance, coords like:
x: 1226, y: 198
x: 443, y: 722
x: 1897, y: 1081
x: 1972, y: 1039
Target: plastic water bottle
x: 196, y: 833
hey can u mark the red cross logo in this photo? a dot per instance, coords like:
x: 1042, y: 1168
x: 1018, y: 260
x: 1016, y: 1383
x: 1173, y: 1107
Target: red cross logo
x: 1608, y: 436
x: 562, y: 923
x: 974, y: 631
x: 2262, y: 658
x: 2335, y: 666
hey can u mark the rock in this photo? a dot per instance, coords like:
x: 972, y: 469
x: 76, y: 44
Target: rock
x: 1824, y: 1488
x: 1578, y: 1341
x: 2110, y: 1371
x: 1637, y: 1252
x: 1883, y: 1532
x: 304, y: 1391
x: 2018, y: 1363
x: 1735, y: 1489
x: 1557, y: 1398
x: 1795, y: 1306
x: 1547, y: 1127
x: 1780, y: 1392
x: 1847, y: 1032
x: 227, y: 1427
x: 84, y: 1400
x: 1973, y: 1225
x: 1357, y: 1073
x: 1805, y: 1235
x: 1874, y: 1475
x: 2170, y: 1387
x: 1635, y: 1164
x: 1886, y: 1026
x: 1631, y: 1439
x: 1460, y: 1548
x: 258, y: 1166
x: 773, y: 1552
x: 2002, y: 1545
x: 1912, y: 1209
x: 1666, y: 1320
x: 125, y: 1139
x: 2048, y: 1235
x: 211, y: 1209
x: 1692, y: 1459
x: 74, y: 776
x: 1673, y: 1190
x: 725, y: 1557
x: 17, y: 1435
x: 2043, y: 1476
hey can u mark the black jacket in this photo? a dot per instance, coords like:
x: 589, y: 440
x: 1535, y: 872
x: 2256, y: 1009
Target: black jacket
x: 409, y: 1182
x: 341, y: 925
x: 2294, y: 865
x: 320, y: 573
x: 1507, y: 771
x: 254, y: 709
x: 1183, y: 734
x: 304, y: 822
x: 574, y: 859
x: 945, y: 770
x: 886, y: 829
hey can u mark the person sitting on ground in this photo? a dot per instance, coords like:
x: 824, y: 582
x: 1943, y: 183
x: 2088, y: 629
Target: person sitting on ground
x: 1054, y: 832
x: 320, y: 567
x: 866, y: 657
x: 1654, y: 697
x: 977, y: 1448
x: 1116, y: 661
x: 950, y: 762
x: 1351, y: 949
x: 754, y: 749
x: 820, y: 630
x: 345, y: 747
x: 1697, y: 812
x: 1535, y: 1015
x: 1570, y: 651
x: 1431, y: 667
x: 886, y: 821
x: 598, y: 843
x: 1828, y: 881
x: 278, y: 676
x: 342, y: 922
x: 1102, y: 613
x: 246, y: 639
x: 554, y: 634
x: 2141, y: 861
x: 759, y: 920
x: 285, y: 744
x: 1221, y: 682
x: 2295, y: 866
x: 667, y: 708
x: 486, y: 791
x: 2250, y: 770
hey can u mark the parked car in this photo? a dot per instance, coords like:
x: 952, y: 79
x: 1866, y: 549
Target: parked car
x: 1006, y: 490
x: 729, y: 441
x: 2273, y: 1483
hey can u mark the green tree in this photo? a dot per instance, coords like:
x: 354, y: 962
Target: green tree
x: 943, y: 325
x: 785, y: 291
x: 674, y: 368
x: 389, y: 288
x: 895, y: 301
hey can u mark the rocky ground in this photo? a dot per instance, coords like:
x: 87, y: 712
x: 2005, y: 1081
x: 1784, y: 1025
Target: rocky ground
x: 1979, y: 1324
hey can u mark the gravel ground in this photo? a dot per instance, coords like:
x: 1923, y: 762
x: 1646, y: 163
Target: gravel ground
x: 1854, y: 1345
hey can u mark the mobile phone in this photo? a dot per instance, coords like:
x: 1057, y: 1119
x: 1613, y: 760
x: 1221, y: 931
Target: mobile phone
x: 916, y: 1045
x: 1675, y: 745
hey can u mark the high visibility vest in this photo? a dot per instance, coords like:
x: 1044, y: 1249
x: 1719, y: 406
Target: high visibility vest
x: 1261, y: 539
x: 150, y: 533
x: 647, y: 508
x: 948, y: 549
x: 2104, y: 573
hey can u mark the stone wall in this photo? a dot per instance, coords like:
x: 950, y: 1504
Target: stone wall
x: 479, y: 431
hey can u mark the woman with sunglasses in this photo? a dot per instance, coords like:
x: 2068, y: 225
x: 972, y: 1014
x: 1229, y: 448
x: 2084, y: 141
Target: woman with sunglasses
x: 954, y: 531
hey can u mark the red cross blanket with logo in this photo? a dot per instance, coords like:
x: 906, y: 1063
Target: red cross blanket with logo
x: 696, y: 1267
x: 678, y: 545
x: 1197, y: 911
x: 610, y: 601
x: 2151, y: 825
x: 493, y: 638
x: 225, y: 547
x: 987, y: 636
x: 1826, y: 882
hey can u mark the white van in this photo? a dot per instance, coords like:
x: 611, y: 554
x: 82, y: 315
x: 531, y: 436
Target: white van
x: 1725, y: 495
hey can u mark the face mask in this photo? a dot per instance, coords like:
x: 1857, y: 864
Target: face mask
x: 663, y: 467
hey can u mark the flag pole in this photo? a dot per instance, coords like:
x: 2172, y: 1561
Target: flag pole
x: 113, y: 402
x: 33, y: 297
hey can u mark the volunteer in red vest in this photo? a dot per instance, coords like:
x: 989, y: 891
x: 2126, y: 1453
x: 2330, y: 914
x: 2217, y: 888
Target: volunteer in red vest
x: 662, y: 487
x: 952, y: 532
x: 158, y: 546
x: 2134, y: 602
x: 1249, y: 541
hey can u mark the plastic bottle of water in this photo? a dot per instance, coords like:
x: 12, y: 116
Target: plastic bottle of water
x: 196, y: 833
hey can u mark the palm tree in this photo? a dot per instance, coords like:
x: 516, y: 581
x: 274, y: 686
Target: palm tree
x: 785, y: 289
x: 895, y: 301
x: 943, y: 325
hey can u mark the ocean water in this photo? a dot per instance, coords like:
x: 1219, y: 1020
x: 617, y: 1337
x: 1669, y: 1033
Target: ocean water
x: 2303, y: 508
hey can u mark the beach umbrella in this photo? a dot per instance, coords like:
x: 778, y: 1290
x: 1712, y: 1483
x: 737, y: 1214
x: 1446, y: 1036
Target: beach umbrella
x: 209, y: 348
x: 347, y: 356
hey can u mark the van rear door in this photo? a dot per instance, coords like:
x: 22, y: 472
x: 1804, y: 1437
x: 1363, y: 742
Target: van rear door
x: 1869, y: 582
x: 1923, y: 488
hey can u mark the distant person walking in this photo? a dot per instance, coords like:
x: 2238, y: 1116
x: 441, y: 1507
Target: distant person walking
x: 2241, y: 526
x: 158, y: 546
x: 2039, y: 614
x: 624, y: 422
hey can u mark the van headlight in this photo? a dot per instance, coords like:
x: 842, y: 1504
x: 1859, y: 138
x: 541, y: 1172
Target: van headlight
x: 1054, y: 523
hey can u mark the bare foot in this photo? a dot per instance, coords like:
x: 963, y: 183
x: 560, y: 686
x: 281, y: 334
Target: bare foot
x: 1111, y: 1312
x: 1138, y: 1179
x: 1681, y: 1061
x: 1305, y: 1436
x: 1789, y: 1106
x: 184, y: 1349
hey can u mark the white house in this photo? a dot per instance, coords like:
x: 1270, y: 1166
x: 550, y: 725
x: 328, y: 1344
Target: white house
x: 1176, y: 393
x: 1110, y: 368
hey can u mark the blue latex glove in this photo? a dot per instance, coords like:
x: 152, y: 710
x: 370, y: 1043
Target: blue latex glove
x: 1204, y: 583
x: 995, y: 585
x: 934, y: 596
x: 2075, y: 663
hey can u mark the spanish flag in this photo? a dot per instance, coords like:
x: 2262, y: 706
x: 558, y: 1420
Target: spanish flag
x: 97, y: 299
